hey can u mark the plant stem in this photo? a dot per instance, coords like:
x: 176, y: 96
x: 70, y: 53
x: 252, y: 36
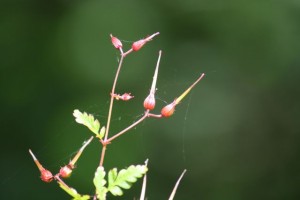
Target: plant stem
x: 112, y: 98
x: 102, y: 155
x: 110, y: 110
x: 107, y: 141
x: 128, y: 128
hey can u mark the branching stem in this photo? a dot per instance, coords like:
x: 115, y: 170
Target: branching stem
x: 106, y: 141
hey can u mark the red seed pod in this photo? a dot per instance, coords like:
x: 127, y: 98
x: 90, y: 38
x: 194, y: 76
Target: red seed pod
x: 149, y: 102
x: 46, y: 175
x: 168, y: 110
x: 116, y: 42
x: 65, y: 171
x: 138, y: 44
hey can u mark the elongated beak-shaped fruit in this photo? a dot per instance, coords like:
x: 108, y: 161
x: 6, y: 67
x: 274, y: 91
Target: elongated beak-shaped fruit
x: 66, y: 171
x: 46, y: 175
x: 140, y: 43
x: 149, y: 102
x: 169, y: 109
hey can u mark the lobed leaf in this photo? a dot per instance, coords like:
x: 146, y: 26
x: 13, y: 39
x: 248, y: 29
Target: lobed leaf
x: 102, y: 132
x: 89, y: 121
x: 99, y: 183
x: 125, y: 178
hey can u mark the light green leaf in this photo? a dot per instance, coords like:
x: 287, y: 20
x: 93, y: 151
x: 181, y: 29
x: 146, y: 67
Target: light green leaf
x: 112, y: 175
x: 101, y: 134
x: 99, y: 183
x: 116, y: 191
x: 124, y: 178
x: 87, y: 120
x: 73, y: 192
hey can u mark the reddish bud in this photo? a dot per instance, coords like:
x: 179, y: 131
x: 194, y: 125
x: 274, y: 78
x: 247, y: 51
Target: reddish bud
x: 116, y: 42
x: 66, y: 171
x: 168, y: 110
x: 149, y: 102
x: 124, y: 97
x: 46, y: 175
x: 138, y: 44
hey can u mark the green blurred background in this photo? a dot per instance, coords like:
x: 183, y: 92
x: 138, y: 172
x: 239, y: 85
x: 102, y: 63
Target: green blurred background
x: 237, y: 133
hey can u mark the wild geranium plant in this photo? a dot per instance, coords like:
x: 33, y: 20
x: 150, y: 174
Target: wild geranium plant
x: 114, y: 181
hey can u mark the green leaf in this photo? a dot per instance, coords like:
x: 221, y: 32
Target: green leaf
x: 99, y: 183
x: 101, y: 134
x: 116, y: 191
x: 73, y: 192
x: 112, y: 175
x: 87, y: 120
x: 124, y: 178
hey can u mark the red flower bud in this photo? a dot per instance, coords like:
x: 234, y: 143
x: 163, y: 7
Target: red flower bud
x: 66, y: 171
x: 116, y: 42
x: 149, y: 102
x: 46, y: 175
x: 126, y: 96
x: 168, y: 110
x: 138, y: 44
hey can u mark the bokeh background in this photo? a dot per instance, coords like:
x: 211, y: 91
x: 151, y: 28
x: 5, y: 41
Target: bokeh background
x: 237, y: 133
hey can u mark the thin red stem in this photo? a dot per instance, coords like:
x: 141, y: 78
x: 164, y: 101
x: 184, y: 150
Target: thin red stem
x: 128, y: 128
x: 61, y: 181
x: 112, y: 98
x: 102, y: 155
x: 127, y: 52
x: 110, y: 110
x: 154, y: 115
